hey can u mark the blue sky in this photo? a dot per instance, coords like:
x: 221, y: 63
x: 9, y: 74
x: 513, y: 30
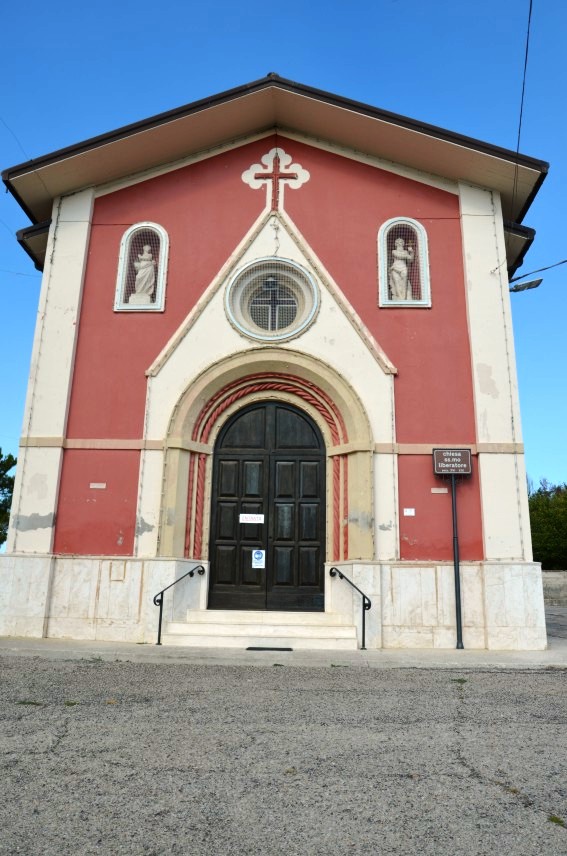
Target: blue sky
x: 71, y: 71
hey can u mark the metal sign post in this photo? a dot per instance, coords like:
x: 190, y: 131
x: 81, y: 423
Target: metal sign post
x: 454, y: 462
x: 456, y: 563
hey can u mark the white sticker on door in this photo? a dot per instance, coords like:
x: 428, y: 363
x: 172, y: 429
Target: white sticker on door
x: 251, y: 518
x: 258, y: 558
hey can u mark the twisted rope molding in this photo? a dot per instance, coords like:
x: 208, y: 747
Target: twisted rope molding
x: 273, y: 382
x: 200, y: 503
x: 345, y: 506
x: 247, y: 385
x: 188, y: 520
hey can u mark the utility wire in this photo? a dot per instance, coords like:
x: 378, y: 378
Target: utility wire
x: 539, y: 270
x: 25, y: 154
x: 20, y: 273
x: 515, y: 189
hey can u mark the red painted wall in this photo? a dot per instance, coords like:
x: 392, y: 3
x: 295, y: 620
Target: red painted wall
x: 339, y: 212
x: 207, y: 209
x: 92, y: 521
x: 429, y: 535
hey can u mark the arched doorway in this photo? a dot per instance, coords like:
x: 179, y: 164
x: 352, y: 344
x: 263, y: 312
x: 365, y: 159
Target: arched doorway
x: 269, y: 462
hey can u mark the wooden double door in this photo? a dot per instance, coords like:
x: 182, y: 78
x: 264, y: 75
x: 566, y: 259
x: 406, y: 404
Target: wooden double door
x: 267, y: 546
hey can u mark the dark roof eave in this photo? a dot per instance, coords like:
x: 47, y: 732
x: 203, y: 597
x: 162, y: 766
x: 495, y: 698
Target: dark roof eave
x: 22, y: 236
x: 27, y: 211
x: 255, y: 86
x: 533, y: 194
x: 525, y: 232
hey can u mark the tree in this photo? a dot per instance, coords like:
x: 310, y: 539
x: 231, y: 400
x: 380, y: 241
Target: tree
x: 7, y: 462
x: 548, y: 519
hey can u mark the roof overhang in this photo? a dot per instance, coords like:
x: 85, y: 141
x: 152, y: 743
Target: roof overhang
x: 33, y: 240
x: 258, y: 107
x: 518, y: 239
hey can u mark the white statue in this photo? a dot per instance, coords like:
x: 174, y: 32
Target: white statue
x: 400, y: 285
x: 145, y: 277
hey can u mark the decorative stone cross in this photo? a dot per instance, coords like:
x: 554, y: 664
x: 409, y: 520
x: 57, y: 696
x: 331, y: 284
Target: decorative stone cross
x: 276, y: 167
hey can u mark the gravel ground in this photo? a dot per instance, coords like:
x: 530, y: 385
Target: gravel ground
x: 136, y: 758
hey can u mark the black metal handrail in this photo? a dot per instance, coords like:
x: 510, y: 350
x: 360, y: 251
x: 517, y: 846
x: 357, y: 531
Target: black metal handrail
x: 366, y: 602
x: 158, y: 598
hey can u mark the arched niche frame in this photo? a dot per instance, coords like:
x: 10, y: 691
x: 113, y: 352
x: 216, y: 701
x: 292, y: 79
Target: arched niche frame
x: 142, y: 268
x: 268, y: 375
x: 403, y: 264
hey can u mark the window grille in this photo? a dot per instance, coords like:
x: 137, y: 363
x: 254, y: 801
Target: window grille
x: 272, y: 299
x: 141, y: 268
x: 403, y: 264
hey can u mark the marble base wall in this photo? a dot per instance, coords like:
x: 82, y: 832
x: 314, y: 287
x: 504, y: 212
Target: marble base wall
x: 413, y: 606
x: 93, y: 598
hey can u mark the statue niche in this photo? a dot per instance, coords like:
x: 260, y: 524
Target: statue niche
x: 145, y: 278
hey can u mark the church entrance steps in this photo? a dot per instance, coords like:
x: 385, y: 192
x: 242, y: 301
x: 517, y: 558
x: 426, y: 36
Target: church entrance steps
x: 245, y: 629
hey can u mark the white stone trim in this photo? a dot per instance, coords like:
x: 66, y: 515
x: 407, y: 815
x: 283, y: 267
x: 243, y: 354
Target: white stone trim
x: 292, y: 174
x: 150, y: 490
x: 504, y: 508
x: 158, y: 305
x: 51, y: 372
x: 32, y: 518
x: 489, y: 318
x: 214, y: 339
x: 384, y: 299
x: 497, y: 414
x: 386, y: 510
x: 304, y: 288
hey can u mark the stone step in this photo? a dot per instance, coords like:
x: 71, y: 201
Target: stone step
x: 257, y: 616
x: 315, y: 631
x: 296, y: 643
x: 239, y: 629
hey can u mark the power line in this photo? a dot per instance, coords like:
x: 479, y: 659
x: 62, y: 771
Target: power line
x: 522, y: 105
x: 15, y: 137
x: 539, y: 270
x: 26, y: 155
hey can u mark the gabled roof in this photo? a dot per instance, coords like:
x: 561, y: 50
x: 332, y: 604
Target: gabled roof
x: 268, y: 103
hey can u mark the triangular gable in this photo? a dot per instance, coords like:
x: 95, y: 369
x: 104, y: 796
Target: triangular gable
x: 259, y: 242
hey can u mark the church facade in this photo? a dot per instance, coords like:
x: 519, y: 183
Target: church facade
x: 259, y: 316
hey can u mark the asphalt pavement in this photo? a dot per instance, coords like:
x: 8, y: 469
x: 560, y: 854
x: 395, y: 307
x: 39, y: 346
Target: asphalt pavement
x: 143, y: 754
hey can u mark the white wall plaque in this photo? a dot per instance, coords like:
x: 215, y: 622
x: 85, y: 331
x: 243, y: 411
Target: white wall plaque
x: 251, y: 518
x: 258, y: 558
x: 409, y: 512
x: 97, y: 485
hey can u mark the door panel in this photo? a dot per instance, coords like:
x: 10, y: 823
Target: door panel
x: 284, y: 528
x: 228, y: 478
x: 308, y: 564
x: 308, y: 479
x: 308, y: 521
x: 227, y: 518
x: 225, y: 564
x: 270, y: 460
x: 253, y: 482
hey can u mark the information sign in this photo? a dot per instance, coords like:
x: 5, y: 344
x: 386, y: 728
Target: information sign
x: 452, y: 462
